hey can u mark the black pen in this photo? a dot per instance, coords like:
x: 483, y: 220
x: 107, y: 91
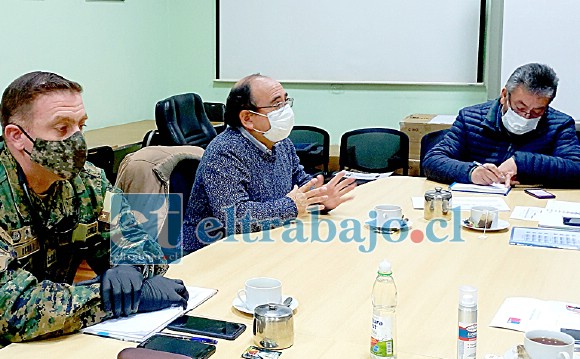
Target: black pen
x: 195, y: 339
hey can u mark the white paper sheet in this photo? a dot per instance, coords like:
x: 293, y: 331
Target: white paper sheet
x: 526, y: 213
x: 366, y: 176
x: 563, y: 207
x: 443, y: 119
x: 140, y: 326
x: 523, y: 314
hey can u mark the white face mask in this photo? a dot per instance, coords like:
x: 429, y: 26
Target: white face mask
x: 281, y: 123
x: 517, y: 124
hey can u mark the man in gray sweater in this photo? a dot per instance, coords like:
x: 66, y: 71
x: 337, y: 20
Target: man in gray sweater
x: 250, y: 178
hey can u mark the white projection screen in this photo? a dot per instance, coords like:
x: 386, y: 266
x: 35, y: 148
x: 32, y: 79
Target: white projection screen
x: 545, y: 31
x: 383, y: 41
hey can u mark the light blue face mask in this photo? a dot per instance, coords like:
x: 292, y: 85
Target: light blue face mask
x: 517, y: 124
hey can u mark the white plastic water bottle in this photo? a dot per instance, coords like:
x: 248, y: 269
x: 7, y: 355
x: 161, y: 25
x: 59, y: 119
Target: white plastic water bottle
x: 384, y: 297
x: 467, y: 323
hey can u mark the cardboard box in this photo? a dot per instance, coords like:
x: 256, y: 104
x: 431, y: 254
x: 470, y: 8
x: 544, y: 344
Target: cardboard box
x: 416, y: 126
x: 415, y: 150
x: 413, y: 168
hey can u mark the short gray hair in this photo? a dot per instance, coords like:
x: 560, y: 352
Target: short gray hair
x: 539, y: 79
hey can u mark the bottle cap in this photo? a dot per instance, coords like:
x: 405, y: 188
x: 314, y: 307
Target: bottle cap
x: 468, y: 296
x: 385, y: 267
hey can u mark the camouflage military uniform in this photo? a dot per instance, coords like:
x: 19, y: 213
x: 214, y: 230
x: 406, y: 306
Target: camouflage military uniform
x: 38, y: 261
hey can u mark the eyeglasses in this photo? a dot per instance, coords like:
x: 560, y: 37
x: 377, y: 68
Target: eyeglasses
x: 524, y: 113
x: 279, y: 105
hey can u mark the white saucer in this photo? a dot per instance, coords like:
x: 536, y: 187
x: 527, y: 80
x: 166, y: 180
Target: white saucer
x: 239, y: 305
x: 501, y: 225
x: 402, y: 225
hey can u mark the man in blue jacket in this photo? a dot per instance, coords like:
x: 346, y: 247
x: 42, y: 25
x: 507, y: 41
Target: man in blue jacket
x: 515, y: 139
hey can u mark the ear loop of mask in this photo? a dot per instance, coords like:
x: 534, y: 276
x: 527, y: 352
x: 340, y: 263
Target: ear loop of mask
x: 27, y: 135
x: 260, y: 114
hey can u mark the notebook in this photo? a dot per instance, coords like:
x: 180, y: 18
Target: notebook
x: 476, y: 188
x: 138, y: 327
x: 549, y: 238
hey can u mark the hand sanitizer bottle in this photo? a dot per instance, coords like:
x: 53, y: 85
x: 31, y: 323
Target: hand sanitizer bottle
x: 467, y: 323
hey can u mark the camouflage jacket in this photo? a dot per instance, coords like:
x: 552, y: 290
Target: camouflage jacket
x: 42, y: 242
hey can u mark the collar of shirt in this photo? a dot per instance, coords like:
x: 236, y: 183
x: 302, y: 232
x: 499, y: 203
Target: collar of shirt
x: 60, y: 197
x: 262, y: 147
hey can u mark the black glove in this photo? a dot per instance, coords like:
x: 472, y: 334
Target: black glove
x: 159, y: 292
x: 121, y: 290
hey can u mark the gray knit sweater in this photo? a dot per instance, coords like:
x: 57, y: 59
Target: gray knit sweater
x: 236, y: 175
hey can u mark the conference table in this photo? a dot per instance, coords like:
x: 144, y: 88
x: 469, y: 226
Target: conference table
x: 329, y: 263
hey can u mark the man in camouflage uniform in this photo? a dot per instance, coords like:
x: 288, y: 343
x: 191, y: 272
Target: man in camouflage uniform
x: 52, y: 216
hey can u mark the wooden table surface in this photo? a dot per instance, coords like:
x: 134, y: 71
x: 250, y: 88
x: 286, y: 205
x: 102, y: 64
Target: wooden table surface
x: 119, y: 135
x: 332, y: 276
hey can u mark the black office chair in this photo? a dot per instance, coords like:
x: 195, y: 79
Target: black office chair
x: 312, y: 147
x: 151, y: 139
x: 181, y: 120
x: 182, y: 178
x: 181, y: 182
x: 103, y: 157
x: 374, y: 150
x: 215, y: 112
x: 428, y: 141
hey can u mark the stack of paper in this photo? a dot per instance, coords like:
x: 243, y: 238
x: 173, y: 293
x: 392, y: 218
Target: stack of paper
x: 524, y: 314
x: 468, y: 187
x: 554, y: 220
x: 138, y: 327
x: 366, y: 176
x: 553, y: 215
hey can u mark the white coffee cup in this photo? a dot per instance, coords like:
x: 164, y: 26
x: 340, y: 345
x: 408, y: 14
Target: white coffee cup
x: 388, y: 215
x: 537, y: 344
x: 484, y: 216
x: 260, y: 291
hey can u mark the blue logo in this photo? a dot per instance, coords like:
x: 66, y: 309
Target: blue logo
x: 321, y: 229
x: 134, y: 215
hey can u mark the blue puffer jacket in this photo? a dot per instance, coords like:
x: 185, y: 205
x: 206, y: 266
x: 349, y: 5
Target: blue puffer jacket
x: 548, y: 155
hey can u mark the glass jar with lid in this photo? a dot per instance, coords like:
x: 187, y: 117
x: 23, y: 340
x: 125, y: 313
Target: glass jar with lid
x: 437, y: 204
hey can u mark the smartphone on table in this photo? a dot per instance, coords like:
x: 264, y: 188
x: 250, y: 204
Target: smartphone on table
x: 208, y: 327
x: 190, y: 348
x: 571, y: 221
x: 539, y: 193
